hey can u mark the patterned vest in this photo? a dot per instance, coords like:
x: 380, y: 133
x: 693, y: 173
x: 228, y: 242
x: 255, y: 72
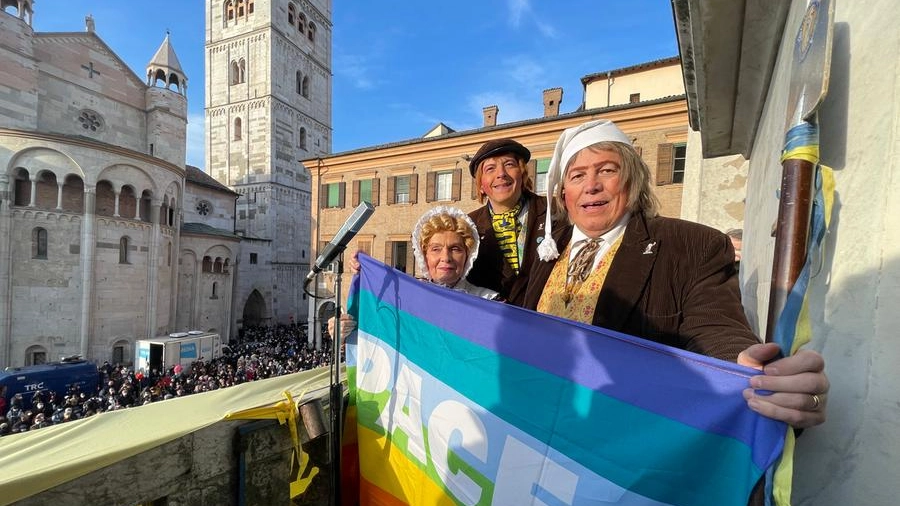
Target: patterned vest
x: 575, y: 301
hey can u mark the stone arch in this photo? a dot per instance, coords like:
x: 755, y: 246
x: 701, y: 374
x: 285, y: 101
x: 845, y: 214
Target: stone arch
x: 127, y: 202
x: 173, y: 191
x: 121, y: 352
x: 146, y: 202
x: 120, y: 175
x: 125, y: 245
x: 46, y: 190
x: 21, y: 181
x: 255, y: 311
x: 73, y: 194
x: 39, y: 240
x: 12, y: 7
x: 105, y: 203
x: 35, y: 355
x: 325, y: 310
x: 37, y: 159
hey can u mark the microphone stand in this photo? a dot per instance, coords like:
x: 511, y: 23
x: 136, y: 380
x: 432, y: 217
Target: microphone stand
x: 337, y: 389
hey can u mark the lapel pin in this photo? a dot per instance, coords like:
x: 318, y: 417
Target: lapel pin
x: 649, y: 249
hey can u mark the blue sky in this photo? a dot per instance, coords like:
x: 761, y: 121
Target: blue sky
x: 401, y: 67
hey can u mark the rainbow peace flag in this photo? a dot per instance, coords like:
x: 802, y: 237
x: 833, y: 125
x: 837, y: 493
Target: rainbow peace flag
x: 459, y: 400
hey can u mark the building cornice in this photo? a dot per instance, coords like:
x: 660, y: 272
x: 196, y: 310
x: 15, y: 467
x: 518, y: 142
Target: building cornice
x: 669, y: 112
x: 95, y: 145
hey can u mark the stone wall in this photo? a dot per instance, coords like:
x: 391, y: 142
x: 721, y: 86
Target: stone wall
x: 226, y: 464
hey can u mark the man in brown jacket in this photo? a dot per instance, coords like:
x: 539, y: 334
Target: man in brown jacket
x: 511, y: 222
x: 663, y: 279
x: 619, y: 265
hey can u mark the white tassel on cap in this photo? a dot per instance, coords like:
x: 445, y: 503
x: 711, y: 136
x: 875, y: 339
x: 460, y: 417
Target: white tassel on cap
x: 569, y: 144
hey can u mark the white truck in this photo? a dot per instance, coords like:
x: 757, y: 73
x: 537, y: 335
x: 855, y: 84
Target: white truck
x: 179, y: 348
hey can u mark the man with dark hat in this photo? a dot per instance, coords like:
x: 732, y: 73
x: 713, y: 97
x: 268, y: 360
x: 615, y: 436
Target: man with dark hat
x: 510, y: 224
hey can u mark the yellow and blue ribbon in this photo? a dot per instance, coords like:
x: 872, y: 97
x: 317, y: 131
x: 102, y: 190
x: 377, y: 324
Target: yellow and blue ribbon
x: 793, y: 328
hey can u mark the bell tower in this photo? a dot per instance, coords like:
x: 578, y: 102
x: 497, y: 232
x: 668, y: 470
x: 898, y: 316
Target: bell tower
x: 166, y: 106
x: 268, y: 105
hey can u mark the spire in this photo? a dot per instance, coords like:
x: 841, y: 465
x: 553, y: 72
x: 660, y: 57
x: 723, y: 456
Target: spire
x: 164, y: 67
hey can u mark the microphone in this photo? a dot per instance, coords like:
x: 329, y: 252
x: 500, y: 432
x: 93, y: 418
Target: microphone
x: 337, y: 245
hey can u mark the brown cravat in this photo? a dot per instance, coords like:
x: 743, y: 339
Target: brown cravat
x: 581, y: 266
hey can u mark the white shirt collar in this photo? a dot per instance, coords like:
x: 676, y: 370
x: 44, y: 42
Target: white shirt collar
x: 609, y: 237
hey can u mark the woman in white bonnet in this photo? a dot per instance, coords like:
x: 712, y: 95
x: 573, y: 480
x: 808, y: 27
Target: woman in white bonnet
x: 445, y: 245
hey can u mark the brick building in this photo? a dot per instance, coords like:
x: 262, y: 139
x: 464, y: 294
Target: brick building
x: 404, y: 179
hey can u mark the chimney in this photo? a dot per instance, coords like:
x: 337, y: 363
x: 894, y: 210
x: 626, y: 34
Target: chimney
x: 490, y: 115
x: 552, y: 99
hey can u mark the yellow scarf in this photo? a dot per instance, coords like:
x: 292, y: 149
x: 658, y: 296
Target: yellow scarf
x: 506, y: 230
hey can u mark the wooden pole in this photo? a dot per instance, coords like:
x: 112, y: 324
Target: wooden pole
x: 791, y: 235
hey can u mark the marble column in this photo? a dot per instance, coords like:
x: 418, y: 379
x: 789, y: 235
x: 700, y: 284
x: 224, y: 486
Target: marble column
x: 176, y: 271
x: 153, y: 269
x: 33, y: 192
x: 5, y: 273
x: 59, y: 195
x: 88, y: 246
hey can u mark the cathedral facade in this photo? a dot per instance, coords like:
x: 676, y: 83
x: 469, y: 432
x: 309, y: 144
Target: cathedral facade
x: 106, y: 236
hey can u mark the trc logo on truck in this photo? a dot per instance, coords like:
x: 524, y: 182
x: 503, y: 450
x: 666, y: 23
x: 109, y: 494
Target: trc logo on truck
x: 34, y: 387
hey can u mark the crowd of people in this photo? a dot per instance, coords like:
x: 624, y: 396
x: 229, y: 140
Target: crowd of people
x: 263, y: 352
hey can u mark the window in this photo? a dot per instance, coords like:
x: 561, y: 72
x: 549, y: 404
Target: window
x: 443, y: 185
x: 215, y: 289
x: 401, y: 190
x: 237, y: 129
x: 311, y: 34
x: 332, y: 195
x: 123, y: 250
x: 242, y: 67
x: 249, y: 6
x: 397, y: 255
x: 678, y: 167
x: 305, y: 87
x: 235, y: 73
x: 118, y: 354
x: 253, y: 258
x: 207, y: 264
x: 301, y: 23
x: 240, y: 8
x: 540, y: 183
x: 301, y: 138
x: 229, y: 10
x: 365, y: 190
x: 634, y: 98
x: 39, y: 243
x: 364, y: 245
x: 90, y: 121
x: 670, y: 163
x: 35, y: 355
x: 291, y: 10
x: 204, y: 208
x: 299, y: 83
